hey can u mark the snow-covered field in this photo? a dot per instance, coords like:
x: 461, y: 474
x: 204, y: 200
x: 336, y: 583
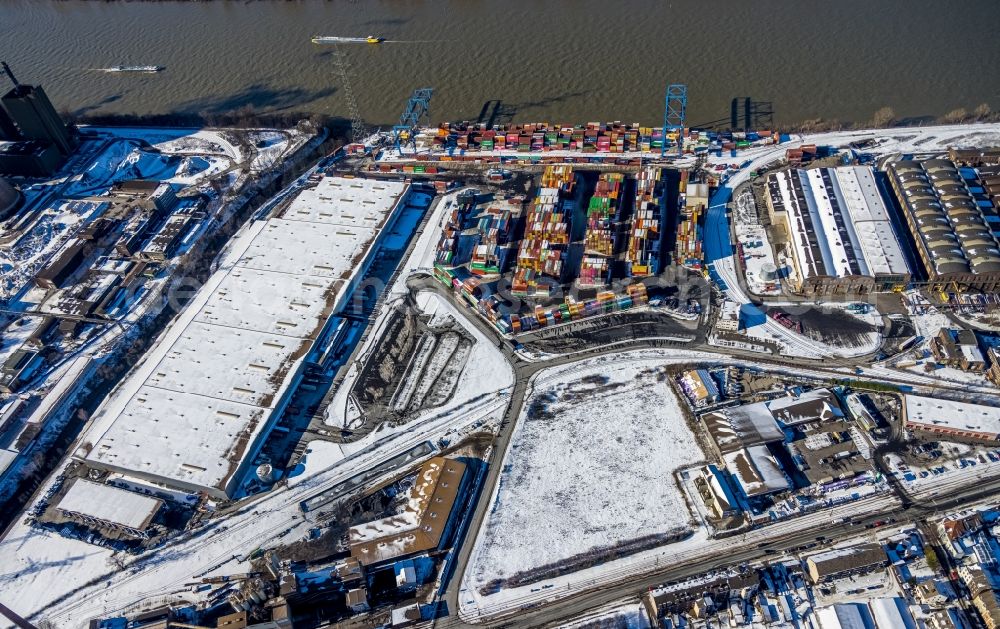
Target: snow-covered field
x: 590, y: 467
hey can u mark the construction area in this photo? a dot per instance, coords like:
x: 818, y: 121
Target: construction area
x: 414, y: 366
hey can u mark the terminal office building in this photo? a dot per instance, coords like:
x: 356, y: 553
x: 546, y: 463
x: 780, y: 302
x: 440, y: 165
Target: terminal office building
x: 955, y: 228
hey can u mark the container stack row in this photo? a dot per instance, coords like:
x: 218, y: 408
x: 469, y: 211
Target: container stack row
x: 692, y: 203
x: 599, y: 240
x: 593, y: 137
x: 642, y: 254
x: 448, y: 243
x: 605, y: 302
x: 546, y: 235
x: 494, y: 227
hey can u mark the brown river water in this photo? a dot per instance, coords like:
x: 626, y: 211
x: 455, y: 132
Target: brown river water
x: 559, y: 61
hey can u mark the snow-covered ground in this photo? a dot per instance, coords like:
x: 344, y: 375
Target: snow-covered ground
x: 179, y: 141
x: 590, y: 468
x: 630, y: 615
x: 69, y: 581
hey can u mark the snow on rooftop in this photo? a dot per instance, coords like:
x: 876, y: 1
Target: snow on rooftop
x: 936, y: 413
x: 891, y: 613
x: 227, y: 363
x: 841, y: 616
x: 109, y: 504
x: 868, y: 215
x: 301, y: 248
x: 179, y: 437
x: 7, y: 457
x: 212, y: 382
x: 817, y: 404
x: 266, y: 301
x: 365, y: 198
x: 842, y: 228
x: 837, y: 258
x: 756, y: 470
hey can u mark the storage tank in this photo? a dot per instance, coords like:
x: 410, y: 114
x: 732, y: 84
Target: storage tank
x: 265, y: 472
x: 9, y: 198
x: 769, y: 272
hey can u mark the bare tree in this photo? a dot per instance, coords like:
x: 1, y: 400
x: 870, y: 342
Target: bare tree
x: 884, y: 117
x: 955, y: 115
x: 982, y: 112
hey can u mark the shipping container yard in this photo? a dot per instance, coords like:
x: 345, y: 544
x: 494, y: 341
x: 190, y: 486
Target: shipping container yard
x: 585, y: 241
x: 544, y: 143
x: 364, y: 399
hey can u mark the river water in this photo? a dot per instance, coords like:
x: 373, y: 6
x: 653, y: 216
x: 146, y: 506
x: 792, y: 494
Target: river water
x: 560, y: 60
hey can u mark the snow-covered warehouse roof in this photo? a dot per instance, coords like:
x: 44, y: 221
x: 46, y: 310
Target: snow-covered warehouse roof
x: 761, y: 422
x: 841, y: 616
x: 814, y: 405
x: 201, y: 403
x: 839, y: 223
x: 756, y: 470
x: 740, y: 426
x: 421, y: 524
x: 947, y: 415
x: 109, y: 504
x: 891, y: 613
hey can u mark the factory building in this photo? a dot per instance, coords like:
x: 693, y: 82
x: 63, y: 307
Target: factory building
x: 953, y: 419
x: 841, y: 237
x: 842, y: 562
x: 959, y: 349
x: 196, y: 413
x: 956, y: 243
x: 34, y: 141
x: 10, y: 199
x: 36, y: 119
x: 756, y: 471
x: 28, y: 158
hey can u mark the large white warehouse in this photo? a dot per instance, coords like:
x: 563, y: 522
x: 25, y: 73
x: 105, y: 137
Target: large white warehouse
x: 194, y: 414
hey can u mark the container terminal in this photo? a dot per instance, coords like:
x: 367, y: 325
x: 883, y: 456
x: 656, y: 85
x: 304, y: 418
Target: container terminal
x: 360, y: 408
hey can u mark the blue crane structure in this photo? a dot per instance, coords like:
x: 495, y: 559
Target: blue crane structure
x: 673, y: 115
x: 416, y: 108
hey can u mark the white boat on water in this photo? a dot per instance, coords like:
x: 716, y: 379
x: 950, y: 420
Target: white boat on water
x: 134, y: 69
x: 368, y: 39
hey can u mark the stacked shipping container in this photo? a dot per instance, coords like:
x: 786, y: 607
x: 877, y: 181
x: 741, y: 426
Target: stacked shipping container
x: 594, y: 137
x: 643, y: 251
x: 605, y: 302
x: 599, y: 240
x: 494, y: 231
x: 688, y: 250
x: 546, y: 234
x: 490, y: 306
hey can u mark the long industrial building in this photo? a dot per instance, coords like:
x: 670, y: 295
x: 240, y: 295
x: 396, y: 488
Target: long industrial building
x: 839, y: 229
x: 950, y: 418
x: 956, y: 241
x: 196, y: 413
